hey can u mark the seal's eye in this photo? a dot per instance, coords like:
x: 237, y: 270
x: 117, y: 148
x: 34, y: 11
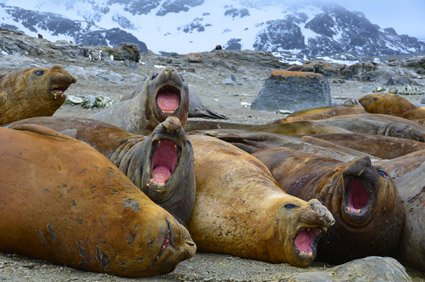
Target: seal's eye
x: 39, y: 72
x: 155, y: 74
x: 290, y: 206
x: 182, y: 77
x: 382, y: 173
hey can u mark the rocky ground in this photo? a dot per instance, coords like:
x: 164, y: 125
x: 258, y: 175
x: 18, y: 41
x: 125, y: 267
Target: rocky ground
x: 227, y: 82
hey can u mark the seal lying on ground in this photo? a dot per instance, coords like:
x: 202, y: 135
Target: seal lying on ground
x: 62, y: 201
x: 408, y: 175
x: 391, y: 104
x: 160, y: 164
x: 322, y: 113
x: 161, y: 95
x: 369, y: 215
x: 33, y: 92
x: 240, y: 209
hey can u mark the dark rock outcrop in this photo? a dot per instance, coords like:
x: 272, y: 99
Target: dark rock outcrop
x: 293, y: 91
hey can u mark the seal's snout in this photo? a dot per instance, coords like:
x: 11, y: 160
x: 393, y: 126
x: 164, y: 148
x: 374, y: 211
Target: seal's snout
x: 172, y: 125
x: 357, y: 166
x: 322, y: 211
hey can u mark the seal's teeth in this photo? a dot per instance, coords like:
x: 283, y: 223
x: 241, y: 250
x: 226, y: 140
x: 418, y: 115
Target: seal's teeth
x: 159, y: 142
x: 175, y: 147
x: 310, y: 253
x: 349, y: 209
x: 358, y: 211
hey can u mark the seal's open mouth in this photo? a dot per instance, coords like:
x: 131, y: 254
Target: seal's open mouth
x: 168, y: 99
x: 357, y: 198
x: 306, y: 241
x: 168, y: 242
x: 164, y: 160
x: 59, y: 91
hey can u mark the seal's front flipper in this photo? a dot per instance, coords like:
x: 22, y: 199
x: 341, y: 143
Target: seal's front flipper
x: 40, y: 130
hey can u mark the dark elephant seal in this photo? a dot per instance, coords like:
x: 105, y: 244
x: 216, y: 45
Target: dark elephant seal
x: 408, y: 174
x: 62, y: 201
x: 369, y: 215
x: 197, y: 109
x: 33, y: 92
x: 240, y: 209
x: 391, y: 104
x: 161, y: 95
x: 160, y: 164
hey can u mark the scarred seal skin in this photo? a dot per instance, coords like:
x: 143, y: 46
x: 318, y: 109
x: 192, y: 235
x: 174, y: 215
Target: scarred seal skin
x: 159, y: 96
x: 160, y: 164
x: 240, y: 209
x: 64, y: 202
x: 33, y: 92
x: 408, y: 174
x: 363, y: 199
x: 391, y: 104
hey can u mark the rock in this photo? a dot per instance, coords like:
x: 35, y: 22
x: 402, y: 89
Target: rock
x: 293, y: 91
x: 126, y: 51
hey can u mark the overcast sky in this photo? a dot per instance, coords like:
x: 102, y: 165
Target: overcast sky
x: 405, y: 16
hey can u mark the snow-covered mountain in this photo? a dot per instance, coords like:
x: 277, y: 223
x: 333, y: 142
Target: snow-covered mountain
x: 185, y: 26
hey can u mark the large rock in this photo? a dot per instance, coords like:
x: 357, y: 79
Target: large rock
x: 293, y: 91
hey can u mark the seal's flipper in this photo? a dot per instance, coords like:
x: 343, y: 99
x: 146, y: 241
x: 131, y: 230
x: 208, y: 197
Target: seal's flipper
x: 40, y: 130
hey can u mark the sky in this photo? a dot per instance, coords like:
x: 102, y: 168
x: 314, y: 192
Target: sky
x: 406, y: 16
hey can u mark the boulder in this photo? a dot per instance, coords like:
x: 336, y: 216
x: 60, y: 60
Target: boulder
x: 293, y: 91
x: 126, y: 51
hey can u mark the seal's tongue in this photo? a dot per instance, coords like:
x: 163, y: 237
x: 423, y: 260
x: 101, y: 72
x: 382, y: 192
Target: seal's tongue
x: 163, y: 161
x: 358, y: 197
x: 304, y: 241
x: 167, y: 101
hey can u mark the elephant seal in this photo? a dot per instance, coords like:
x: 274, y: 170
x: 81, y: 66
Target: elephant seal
x: 240, y: 209
x: 196, y: 109
x: 322, y: 113
x: 33, y: 92
x: 391, y: 104
x: 369, y: 215
x: 160, y: 164
x: 407, y: 173
x: 161, y: 95
x: 62, y: 201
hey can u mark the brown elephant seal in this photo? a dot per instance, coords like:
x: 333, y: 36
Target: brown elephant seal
x: 240, y: 209
x: 33, y: 92
x: 408, y: 173
x: 369, y: 215
x: 161, y: 95
x: 160, y: 164
x: 391, y: 104
x: 64, y: 202
x: 197, y: 109
x: 383, y: 147
x: 322, y: 113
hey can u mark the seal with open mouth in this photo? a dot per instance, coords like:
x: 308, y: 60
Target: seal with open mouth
x: 241, y: 210
x: 363, y: 199
x: 62, y: 201
x: 159, y: 96
x: 160, y: 164
x: 33, y: 92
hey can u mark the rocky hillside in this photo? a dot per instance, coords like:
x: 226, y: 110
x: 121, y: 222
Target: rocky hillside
x: 306, y: 30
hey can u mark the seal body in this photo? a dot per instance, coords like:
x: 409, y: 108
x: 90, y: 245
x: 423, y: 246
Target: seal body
x: 197, y: 109
x: 407, y: 173
x: 240, y: 209
x: 161, y: 95
x: 160, y: 164
x: 391, y: 104
x: 64, y: 202
x: 322, y: 113
x: 367, y: 208
x: 33, y: 92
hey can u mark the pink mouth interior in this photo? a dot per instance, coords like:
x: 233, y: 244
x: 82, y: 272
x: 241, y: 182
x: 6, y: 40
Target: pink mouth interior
x: 163, y: 161
x: 358, y: 197
x: 59, y: 90
x: 167, y: 100
x: 305, y: 240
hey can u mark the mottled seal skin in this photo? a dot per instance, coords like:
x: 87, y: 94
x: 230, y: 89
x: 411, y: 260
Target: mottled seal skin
x: 64, y: 202
x: 197, y: 109
x: 322, y: 113
x: 33, y: 92
x: 408, y: 175
x: 240, y: 209
x: 162, y: 95
x: 369, y: 215
x: 391, y: 104
x: 160, y: 164
x: 383, y: 147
